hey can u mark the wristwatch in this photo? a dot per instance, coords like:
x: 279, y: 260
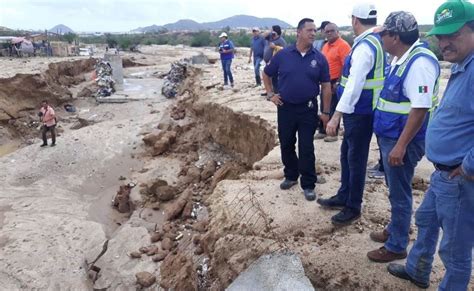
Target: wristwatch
x: 270, y: 95
x: 325, y: 113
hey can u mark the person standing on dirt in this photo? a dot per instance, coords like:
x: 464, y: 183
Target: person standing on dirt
x: 449, y: 202
x: 226, y: 50
x: 300, y: 69
x: 335, y: 50
x: 360, y: 86
x: 401, y: 117
x: 256, y: 49
x: 48, y: 120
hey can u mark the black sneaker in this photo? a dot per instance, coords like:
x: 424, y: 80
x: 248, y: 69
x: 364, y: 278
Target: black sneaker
x: 345, y: 217
x: 287, y: 184
x: 44, y: 145
x: 309, y: 194
x: 399, y: 271
x: 333, y: 203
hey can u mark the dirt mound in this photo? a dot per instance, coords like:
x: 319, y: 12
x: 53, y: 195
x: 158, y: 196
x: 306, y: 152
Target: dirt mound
x: 25, y: 92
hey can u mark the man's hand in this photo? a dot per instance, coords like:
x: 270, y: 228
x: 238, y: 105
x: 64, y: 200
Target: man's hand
x: 276, y: 99
x: 333, y: 124
x: 396, y: 155
x: 272, y: 45
x: 324, y: 118
x: 459, y: 172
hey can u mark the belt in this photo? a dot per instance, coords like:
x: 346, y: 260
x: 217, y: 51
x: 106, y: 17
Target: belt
x: 441, y: 167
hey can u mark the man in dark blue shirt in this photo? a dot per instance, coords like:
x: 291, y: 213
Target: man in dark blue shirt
x: 226, y: 50
x: 258, y: 44
x: 301, y: 69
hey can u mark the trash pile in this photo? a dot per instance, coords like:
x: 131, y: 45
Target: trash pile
x: 174, y: 78
x: 104, y: 80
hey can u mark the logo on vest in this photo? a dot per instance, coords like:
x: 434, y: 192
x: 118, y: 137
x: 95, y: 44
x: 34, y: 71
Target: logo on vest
x: 314, y: 63
x: 445, y: 14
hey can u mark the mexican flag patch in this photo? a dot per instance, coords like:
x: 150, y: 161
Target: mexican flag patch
x: 423, y: 89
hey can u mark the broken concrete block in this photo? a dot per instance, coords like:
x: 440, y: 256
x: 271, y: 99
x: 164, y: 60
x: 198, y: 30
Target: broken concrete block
x: 280, y: 271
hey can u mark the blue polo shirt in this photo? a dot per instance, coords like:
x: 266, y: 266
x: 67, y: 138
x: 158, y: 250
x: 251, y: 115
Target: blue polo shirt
x: 450, y: 134
x: 299, y: 76
x: 258, y: 44
x: 226, y: 45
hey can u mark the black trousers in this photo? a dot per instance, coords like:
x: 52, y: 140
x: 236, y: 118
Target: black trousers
x: 332, y: 109
x: 301, y: 119
x: 44, y: 131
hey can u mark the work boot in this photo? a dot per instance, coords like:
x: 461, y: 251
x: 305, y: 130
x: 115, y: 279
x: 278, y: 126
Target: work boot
x: 309, y: 194
x: 333, y: 202
x: 376, y: 174
x: 345, y: 217
x: 400, y: 271
x: 382, y: 255
x: 287, y: 184
x: 320, y: 136
x: 379, y: 236
x: 44, y: 145
x: 53, y: 144
x: 330, y: 138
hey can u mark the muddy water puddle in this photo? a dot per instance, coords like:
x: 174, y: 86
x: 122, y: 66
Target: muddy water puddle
x: 8, y: 148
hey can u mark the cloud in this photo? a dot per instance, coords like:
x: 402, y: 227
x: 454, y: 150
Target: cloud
x: 124, y: 15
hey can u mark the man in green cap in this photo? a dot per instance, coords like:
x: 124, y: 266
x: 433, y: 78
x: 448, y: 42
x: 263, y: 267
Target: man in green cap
x: 449, y: 202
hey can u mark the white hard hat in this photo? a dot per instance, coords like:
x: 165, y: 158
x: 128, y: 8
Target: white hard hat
x: 223, y: 34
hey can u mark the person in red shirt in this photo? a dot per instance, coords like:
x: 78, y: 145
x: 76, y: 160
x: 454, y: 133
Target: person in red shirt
x: 335, y: 50
x: 48, y: 119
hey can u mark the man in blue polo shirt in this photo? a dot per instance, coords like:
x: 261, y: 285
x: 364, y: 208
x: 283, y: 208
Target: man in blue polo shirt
x: 258, y: 44
x: 449, y: 202
x: 301, y: 69
x: 226, y: 50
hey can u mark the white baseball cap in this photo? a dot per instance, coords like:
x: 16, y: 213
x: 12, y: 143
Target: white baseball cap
x: 364, y: 11
x: 255, y: 29
x: 223, y: 34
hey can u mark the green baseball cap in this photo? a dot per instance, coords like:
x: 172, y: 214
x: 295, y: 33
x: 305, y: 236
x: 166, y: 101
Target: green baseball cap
x: 451, y: 16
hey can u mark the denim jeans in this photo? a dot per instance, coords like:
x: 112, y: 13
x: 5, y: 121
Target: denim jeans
x: 354, y: 154
x: 400, y: 193
x: 256, y: 65
x: 448, y: 204
x: 227, y: 73
x: 301, y: 118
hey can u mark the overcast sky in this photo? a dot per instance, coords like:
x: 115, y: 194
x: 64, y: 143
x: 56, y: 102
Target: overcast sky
x: 125, y: 15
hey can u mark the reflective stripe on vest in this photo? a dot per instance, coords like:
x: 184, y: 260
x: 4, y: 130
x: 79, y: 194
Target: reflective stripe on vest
x: 376, y: 83
x: 405, y: 107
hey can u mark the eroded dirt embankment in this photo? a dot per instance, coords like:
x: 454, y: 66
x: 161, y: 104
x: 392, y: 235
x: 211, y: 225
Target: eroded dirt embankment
x: 213, y: 144
x: 25, y: 92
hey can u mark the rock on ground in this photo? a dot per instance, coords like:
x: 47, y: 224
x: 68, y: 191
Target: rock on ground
x: 273, y: 272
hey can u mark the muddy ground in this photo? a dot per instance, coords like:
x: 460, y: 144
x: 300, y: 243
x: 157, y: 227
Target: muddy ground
x: 207, y: 168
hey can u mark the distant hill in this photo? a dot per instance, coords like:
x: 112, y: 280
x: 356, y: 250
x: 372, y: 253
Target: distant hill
x: 61, y: 29
x: 3, y: 28
x: 246, y: 21
x: 237, y: 21
x: 185, y: 24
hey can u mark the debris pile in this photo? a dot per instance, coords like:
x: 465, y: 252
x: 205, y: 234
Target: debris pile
x: 104, y: 80
x: 174, y: 78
